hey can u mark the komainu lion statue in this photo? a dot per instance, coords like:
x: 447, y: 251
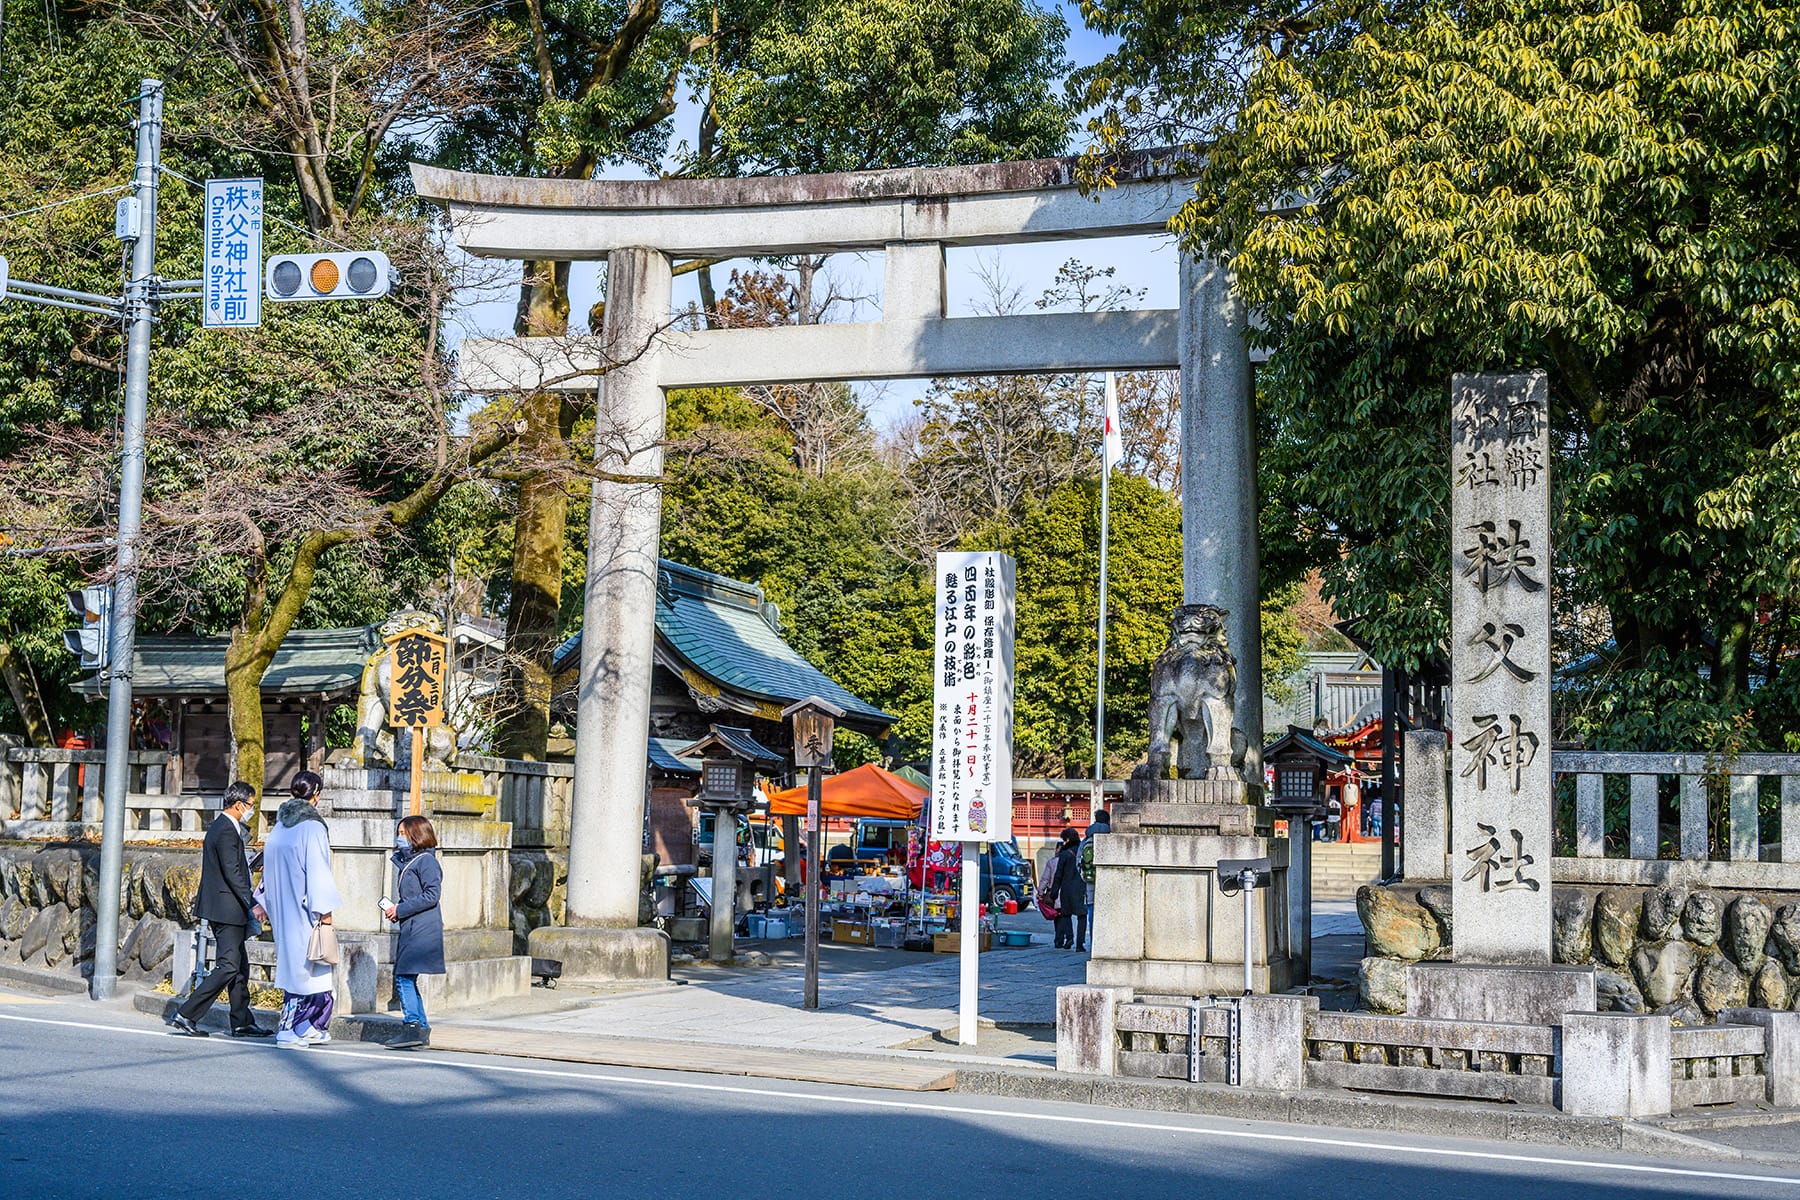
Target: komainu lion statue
x: 1193, y: 701
x: 374, y: 744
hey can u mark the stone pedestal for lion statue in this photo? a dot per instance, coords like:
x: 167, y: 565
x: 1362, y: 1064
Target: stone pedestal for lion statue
x: 1162, y: 925
x: 364, y: 794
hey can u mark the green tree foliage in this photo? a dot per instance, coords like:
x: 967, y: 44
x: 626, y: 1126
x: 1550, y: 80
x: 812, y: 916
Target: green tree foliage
x: 850, y: 85
x: 1599, y: 190
x: 286, y: 465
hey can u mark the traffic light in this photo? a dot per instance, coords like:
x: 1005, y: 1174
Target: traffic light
x: 88, y: 640
x: 356, y: 275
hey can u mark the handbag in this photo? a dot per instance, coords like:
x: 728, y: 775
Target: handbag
x: 323, y: 946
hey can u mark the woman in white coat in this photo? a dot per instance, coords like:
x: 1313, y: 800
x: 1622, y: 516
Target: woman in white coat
x: 299, y: 893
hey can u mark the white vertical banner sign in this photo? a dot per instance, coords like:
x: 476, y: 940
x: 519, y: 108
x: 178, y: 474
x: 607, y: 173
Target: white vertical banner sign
x: 972, y: 730
x: 231, y: 280
x: 1500, y: 667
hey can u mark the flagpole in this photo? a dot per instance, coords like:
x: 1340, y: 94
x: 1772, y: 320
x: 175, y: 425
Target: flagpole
x: 1106, y: 465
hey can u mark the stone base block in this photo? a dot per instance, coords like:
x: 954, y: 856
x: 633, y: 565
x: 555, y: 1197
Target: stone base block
x: 1187, y: 980
x: 473, y: 982
x: 1615, y: 1065
x: 1163, y: 924
x: 592, y: 954
x: 1233, y: 819
x: 1190, y: 791
x: 1447, y: 991
x: 1272, y: 1041
x: 1086, y: 1029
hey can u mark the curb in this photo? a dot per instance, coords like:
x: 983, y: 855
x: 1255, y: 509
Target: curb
x: 361, y: 1027
x: 1343, y: 1110
x: 47, y: 980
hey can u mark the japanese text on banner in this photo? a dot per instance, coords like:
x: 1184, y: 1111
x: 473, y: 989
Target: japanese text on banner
x: 971, y: 786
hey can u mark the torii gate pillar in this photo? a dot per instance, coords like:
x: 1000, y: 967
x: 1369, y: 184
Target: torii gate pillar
x: 1220, y: 556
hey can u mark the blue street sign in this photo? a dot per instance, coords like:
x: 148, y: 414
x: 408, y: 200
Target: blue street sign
x: 232, y: 281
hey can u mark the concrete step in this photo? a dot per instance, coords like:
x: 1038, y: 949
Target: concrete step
x: 473, y: 982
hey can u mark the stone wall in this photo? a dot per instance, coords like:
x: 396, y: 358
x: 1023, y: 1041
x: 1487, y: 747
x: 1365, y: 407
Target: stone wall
x: 1688, y: 954
x: 47, y: 910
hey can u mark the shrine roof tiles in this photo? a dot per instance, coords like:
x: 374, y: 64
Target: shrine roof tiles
x: 311, y: 662
x: 725, y: 630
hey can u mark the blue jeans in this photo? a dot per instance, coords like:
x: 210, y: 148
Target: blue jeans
x: 412, y: 1008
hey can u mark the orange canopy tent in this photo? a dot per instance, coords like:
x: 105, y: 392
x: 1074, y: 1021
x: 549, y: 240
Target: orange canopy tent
x: 865, y: 791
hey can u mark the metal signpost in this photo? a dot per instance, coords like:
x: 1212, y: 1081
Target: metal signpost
x: 972, y: 727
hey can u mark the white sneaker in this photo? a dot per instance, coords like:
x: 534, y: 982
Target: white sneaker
x: 291, y: 1040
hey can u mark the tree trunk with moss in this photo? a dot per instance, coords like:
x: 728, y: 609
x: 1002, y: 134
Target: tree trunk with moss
x: 534, y: 615
x: 534, y: 611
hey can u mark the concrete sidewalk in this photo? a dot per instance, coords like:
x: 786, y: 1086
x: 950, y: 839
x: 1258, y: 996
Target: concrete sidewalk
x: 879, y: 1009
x: 877, y: 1005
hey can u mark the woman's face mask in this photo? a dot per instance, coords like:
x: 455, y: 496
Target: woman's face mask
x: 401, y: 842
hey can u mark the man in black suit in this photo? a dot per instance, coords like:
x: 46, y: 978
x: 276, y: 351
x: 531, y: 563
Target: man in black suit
x: 225, y: 901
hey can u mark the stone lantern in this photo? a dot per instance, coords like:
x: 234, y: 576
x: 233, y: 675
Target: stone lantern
x: 729, y: 758
x: 1299, y: 762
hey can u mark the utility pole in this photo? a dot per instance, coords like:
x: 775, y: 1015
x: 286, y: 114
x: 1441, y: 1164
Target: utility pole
x: 140, y: 318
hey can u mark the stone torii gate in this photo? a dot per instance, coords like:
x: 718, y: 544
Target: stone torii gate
x: 640, y: 227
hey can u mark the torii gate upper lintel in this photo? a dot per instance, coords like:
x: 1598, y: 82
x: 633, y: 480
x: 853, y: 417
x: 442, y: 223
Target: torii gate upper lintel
x: 640, y: 226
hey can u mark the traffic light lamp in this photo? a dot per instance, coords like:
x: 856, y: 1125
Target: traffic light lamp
x: 92, y: 607
x: 354, y: 275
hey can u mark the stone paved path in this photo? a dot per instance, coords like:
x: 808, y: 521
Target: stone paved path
x: 858, y: 1010
x: 870, y: 1000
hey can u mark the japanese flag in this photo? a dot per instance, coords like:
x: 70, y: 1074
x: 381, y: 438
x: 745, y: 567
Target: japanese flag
x: 1113, y: 448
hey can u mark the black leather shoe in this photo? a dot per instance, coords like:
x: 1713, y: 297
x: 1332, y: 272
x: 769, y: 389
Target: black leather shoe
x: 185, y: 1026
x: 250, y: 1031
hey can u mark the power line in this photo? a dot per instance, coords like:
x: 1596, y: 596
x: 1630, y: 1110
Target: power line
x: 268, y: 216
x: 26, y: 212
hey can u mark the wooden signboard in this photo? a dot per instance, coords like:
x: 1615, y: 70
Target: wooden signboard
x: 420, y: 661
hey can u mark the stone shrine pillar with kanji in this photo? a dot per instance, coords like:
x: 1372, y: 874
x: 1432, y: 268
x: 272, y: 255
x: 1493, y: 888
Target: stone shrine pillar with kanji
x: 1501, y: 801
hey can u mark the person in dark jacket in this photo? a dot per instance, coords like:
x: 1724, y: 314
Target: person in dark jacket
x: 419, y: 950
x: 1070, y: 889
x: 226, y: 902
x: 1084, y: 862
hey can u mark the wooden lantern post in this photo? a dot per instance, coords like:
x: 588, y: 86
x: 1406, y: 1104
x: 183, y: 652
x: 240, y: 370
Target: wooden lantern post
x: 814, y: 721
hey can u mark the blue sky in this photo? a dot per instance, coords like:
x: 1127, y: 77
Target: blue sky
x: 1140, y: 263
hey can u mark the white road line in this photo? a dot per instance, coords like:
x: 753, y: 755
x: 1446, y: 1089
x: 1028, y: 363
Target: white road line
x: 391, y: 1059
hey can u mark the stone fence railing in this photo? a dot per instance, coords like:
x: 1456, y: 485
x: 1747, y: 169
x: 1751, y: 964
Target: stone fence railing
x: 1720, y: 807
x: 534, y: 796
x: 1591, y: 1064
x: 46, y: 792
x: 1710, y: 795
x: 57, y: 795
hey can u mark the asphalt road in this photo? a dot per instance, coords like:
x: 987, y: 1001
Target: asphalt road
x: 103, y: 1103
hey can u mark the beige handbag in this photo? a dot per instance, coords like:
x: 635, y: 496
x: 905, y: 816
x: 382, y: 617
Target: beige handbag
x: 323, y: 948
